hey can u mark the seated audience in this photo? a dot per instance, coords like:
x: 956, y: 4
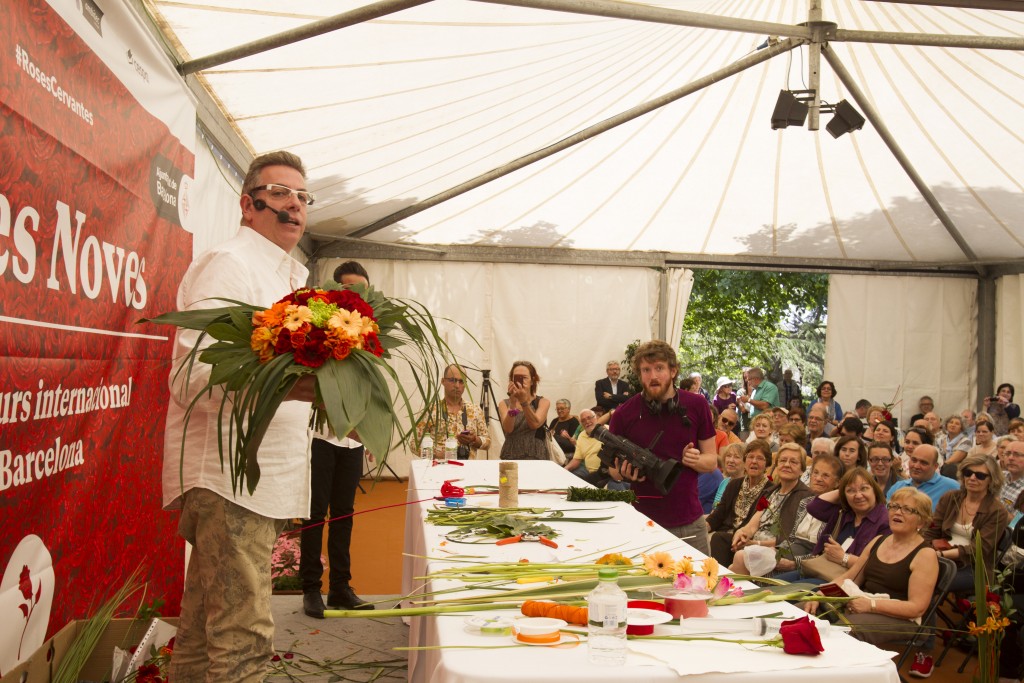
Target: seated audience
x: 934, y: 425
x: 925, y: 404
x: 1013, y: 474
x: 826, y: 471
x: 771, y: 526
x: 793, y: 433
x: 797, y: 416
x: 780, y: 416
x: 850, y: 426
x: 761, y: 428
x: 851, y: 516
x: 886, y: 432
x: 731, y: 462
x: 972, y: 509
x: 1011, y: 663
x: 815, y: 423
x: 563, y: 427
x: 851, y: 452
x: 915, y: 436
x: 984, y: 438
x: 707, y: 488
x: 924, y: 475
x: 957, y: 441
x: 729, y: 422
x: 820, y: 446
x: 875, y: 415
x: 900, y: 565
x: 881, y: 461
x: 1017, y: 427
x: 740, y: 500
x: 1001, y: 444
x: 585, y: 463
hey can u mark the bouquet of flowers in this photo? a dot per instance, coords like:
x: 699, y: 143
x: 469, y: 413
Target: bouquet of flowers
x: 344, y: 335
x: 284, y: 563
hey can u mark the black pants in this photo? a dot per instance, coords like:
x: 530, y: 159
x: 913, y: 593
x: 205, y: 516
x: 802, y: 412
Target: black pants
x: 334, y: 480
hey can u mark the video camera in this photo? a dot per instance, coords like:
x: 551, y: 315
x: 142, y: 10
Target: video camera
x: 661, y: 473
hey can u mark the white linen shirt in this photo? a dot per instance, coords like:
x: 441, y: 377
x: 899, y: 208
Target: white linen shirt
x: 251, y: 269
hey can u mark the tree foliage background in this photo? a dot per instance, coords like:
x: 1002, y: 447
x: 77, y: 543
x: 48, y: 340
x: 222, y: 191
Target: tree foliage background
x: 738, y: 319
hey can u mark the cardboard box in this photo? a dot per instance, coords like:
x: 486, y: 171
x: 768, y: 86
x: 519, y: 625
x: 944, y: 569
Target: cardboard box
x: 41, y: 666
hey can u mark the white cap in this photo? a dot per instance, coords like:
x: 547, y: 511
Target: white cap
x: 722, y: 381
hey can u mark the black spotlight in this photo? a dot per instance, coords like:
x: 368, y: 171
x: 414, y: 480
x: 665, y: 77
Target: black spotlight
x: 846, y: 119
x: 789, y: 111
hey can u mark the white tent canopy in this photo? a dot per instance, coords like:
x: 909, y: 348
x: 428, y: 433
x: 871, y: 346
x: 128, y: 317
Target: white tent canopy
x: 392, y: 111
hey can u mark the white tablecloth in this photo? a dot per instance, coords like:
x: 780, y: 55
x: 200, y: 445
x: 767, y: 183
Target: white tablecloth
x: 847, y: 660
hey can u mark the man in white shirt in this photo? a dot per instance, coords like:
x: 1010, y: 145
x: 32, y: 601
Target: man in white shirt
x: 226, y: 630
x: 337, y: 465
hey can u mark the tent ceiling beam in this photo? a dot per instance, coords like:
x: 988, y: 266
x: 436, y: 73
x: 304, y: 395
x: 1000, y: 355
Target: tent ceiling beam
x: 928, y: 39
x: 676, y: 17
x: 582, y: 135
x: 872, y: 115
x: 310, y: 30
x: 348, y: 248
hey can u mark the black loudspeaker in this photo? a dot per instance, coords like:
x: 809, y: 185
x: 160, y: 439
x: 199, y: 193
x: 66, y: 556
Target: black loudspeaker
x: 789, y: 111
x: 846, y: 119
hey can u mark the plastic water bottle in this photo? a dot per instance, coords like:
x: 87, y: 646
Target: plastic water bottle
x: 427, y: 447
x: 606, y: 630
x: 451, y: 448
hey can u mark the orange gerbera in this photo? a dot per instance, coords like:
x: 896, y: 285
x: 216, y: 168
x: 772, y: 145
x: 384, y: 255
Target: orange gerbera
x: 272, y: 317
x: 262, y: 342
x: 709, y: 570
x: 660, y: 565
x: 685, y: 566
x: 296, y: 316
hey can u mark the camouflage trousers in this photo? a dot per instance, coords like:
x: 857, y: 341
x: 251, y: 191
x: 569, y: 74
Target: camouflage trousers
x: 226, y: 630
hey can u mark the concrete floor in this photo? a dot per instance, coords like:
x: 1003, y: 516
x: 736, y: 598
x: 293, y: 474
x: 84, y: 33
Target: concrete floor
x: 328, y: 650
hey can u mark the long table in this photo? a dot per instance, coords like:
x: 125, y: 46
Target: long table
x: 426, y: 549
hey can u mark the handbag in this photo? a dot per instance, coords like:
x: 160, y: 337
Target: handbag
x: 820, y: 567
x: 555, y: 452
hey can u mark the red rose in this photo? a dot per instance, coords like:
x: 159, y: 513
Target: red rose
x: 800, y: 637
x: 25, y: 582
x: 762, y: 503
x: 312, y: 352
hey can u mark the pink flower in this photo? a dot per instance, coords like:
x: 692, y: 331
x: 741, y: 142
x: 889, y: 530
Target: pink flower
x: 726, y: 586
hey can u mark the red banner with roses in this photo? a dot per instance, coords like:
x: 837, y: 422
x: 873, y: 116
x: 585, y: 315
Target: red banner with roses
x: 96, y: 159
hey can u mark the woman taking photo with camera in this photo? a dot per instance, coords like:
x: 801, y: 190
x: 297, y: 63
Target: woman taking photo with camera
x: 523, y: 415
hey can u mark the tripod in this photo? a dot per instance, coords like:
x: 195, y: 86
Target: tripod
x: 485, y: 391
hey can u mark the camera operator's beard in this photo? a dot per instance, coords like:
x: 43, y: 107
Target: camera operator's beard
x: 667, y: 393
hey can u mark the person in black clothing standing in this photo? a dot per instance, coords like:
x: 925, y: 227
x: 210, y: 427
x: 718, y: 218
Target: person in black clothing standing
x: 337, y: 466
x: 610, y: 391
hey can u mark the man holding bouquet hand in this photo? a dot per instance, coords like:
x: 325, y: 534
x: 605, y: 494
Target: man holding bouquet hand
x: 226, y: 630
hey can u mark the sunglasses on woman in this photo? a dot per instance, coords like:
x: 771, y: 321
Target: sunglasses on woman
x: 980, y: 476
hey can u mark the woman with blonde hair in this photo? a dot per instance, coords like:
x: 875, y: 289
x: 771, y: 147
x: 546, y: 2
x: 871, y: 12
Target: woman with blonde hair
x: 900, y: 565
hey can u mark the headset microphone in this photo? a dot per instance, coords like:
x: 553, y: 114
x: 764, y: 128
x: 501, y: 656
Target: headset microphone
x: 282, y: 215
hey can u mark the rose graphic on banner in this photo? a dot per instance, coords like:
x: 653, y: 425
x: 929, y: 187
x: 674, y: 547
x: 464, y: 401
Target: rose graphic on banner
x: 25, y: 584
x: 26, y: 590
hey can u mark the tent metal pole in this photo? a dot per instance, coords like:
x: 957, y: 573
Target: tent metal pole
x: 986, y: 299
x: 310, y: 30
x: 883, y: 131
x: 929, y: 39
x: 624, y: 10
x: 585, y: 134
x: 814, y: 64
